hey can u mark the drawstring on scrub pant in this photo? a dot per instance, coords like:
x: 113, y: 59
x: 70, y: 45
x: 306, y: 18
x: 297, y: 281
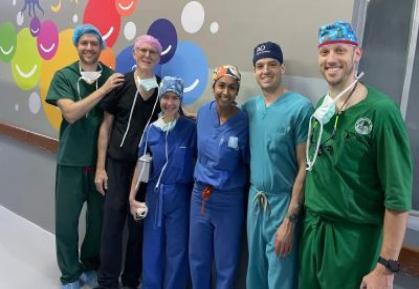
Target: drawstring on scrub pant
x: 262, y: 202
x: 206, y: 194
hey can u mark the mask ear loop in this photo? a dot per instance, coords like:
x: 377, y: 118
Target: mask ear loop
x: 310, y: 162
x: 78, y: 90
x: 130, y: 117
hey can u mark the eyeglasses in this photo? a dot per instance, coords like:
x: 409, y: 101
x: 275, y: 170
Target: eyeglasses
x: 152, y: 52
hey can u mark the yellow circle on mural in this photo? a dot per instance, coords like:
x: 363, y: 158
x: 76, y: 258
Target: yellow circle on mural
x: 66, y: 54
x: 26, y: 61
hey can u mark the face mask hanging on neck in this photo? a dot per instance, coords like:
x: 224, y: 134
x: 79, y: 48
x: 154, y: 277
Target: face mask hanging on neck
x: 323, y: 114
x: 148, y: 83
x: 90, y: 76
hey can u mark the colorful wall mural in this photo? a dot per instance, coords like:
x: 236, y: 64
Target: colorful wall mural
x: 35, y: 41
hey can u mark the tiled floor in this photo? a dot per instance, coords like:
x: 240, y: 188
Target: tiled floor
x: 27, y: 256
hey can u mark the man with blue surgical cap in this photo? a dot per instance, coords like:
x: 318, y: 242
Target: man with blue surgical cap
x: 76, y: 90
x: 359, y: 180
x: 171, y: 143
x: 278, y: 122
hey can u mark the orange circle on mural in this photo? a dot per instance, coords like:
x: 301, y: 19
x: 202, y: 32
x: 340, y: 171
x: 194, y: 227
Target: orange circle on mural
x: 65, y: 55
x: 107, y: 56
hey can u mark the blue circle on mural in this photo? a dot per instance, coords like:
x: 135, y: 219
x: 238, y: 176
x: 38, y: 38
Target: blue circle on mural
x: 165, y: 32
x: 189, y: 63
x: 125, y: 61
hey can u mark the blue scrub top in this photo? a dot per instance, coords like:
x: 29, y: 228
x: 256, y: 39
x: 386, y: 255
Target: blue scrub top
x: 275, y: 131
x: 181, y: 142
x: 223, y: 150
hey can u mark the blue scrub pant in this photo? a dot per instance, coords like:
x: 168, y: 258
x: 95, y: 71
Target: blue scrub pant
x: 166, y: 234
x: 265, y: 269
x: 215, y: 235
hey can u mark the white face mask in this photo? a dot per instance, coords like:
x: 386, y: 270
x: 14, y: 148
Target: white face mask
x: 323, y: 115
x: 90, y: 76
x: 148, y: 83
x: 327, y: 109
x: 165, y: 126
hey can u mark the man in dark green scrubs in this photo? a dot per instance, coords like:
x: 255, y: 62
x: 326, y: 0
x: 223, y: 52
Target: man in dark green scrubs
x: 358, y: 190
x: 76, y: 90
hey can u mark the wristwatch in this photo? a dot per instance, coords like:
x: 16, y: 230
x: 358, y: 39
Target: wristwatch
x: 392, y: 265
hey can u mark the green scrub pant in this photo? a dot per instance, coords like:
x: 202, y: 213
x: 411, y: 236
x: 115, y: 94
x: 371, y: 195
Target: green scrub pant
x: 74, y: 186
x: 265, y: 269
x: 336, y: 254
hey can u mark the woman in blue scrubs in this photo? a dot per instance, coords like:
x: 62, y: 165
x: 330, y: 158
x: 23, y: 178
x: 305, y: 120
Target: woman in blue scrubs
x: 171, y: 142
x: 217, y: 203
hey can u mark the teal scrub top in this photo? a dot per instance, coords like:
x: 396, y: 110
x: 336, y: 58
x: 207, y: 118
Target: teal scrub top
x: 275, y: 132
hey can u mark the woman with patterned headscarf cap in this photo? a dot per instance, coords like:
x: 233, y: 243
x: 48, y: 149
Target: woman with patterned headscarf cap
x: 217, y: 204
x: 170, y: 141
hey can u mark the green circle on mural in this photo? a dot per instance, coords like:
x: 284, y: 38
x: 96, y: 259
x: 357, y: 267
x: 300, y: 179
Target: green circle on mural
x: 26, y: 63
x: 7, y: 41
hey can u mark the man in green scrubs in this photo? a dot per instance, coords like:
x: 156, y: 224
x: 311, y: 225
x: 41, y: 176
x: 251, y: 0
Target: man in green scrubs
x: 358, y: 190
x: 76, y: 90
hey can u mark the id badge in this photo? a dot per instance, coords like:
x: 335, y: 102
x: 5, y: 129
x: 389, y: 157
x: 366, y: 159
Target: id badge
x: 233, y: 142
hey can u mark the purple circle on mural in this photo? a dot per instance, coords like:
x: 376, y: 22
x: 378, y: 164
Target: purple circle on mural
x: 47, y: 40
x: 166, y: 33
x: 35, y: 26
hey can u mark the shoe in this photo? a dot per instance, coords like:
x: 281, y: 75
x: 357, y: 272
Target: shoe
x: 72, y: 285
x: 89, y: 278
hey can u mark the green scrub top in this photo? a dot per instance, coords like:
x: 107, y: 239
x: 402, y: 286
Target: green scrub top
x: 77, y: 141
x: 365, y: 167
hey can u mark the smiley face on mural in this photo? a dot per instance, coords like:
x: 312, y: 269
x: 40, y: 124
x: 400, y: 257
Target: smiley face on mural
x: 126, y: 7
x: 35, y: 26
x: 165, y: 32
x: 26, y: 63
x: 7, y: 41
x: 103, y: 15
x: 189, y: 63
x: 47, y: 40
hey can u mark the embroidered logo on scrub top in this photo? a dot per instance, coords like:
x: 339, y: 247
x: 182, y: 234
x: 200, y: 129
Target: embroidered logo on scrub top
x: 233, y: 142
x: 363, y: 126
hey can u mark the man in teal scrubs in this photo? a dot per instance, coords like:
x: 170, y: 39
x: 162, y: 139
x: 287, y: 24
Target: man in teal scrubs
x: 76, y: 90
x: 358, y: 190
x: 278, y: 123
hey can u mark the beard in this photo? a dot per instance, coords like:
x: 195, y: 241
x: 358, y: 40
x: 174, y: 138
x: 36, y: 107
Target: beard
x: 89, y: 60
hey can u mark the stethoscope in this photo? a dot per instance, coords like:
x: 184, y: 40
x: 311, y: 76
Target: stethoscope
x: 317, y: 120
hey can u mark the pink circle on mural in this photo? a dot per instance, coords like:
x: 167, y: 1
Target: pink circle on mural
x: 47, y: 40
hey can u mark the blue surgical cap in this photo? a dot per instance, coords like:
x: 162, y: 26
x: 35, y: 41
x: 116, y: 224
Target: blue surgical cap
x: 171, y: 84
x: 80, y: 30
x: 337, y: 32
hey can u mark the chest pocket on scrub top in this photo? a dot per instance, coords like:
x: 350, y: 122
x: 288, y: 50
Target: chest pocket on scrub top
x: 354, y: 147
x: 183, y: 162
x: 228, y: 152
x: 278, y: 137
